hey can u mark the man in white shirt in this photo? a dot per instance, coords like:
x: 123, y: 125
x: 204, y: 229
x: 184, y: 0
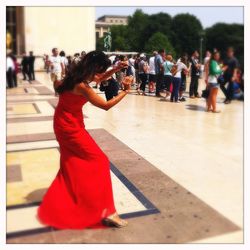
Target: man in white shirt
x: 10, y: 69
x: 57, y: 67
x: 152, y: 77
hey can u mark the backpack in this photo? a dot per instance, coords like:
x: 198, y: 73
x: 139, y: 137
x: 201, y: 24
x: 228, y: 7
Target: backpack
x: 173, y: 70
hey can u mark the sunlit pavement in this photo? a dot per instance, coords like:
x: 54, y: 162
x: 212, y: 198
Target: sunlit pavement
x: 177, y: 171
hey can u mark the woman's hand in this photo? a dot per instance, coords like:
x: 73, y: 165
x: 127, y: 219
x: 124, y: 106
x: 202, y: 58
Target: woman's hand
x: 98, y: 78
x: 122, y: 64
x: 127, y: 81
x: 224, y: 68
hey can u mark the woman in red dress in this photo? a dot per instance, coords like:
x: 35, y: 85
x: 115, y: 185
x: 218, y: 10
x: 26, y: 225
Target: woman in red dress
x: 81, y: 194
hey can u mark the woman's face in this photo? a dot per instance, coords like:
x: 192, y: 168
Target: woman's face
x: 217, y: 57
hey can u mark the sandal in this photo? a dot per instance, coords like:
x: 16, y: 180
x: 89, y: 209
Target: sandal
x: 112, y: 221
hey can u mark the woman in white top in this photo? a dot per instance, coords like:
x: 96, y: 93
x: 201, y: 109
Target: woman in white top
x: 152, y: 77
x: 176, y: 79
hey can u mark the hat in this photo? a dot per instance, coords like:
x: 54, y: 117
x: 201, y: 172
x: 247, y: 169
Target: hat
x: 142, y: 55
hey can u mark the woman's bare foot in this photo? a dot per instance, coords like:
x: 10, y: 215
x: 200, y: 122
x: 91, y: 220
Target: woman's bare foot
x: 216, y: 111
x: 114, y: 220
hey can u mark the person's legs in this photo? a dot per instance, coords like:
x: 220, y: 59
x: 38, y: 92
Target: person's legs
x: 159, y: 78
x: 196, y: 85
x: 28, y: 72
x: 213, y: 98
x: 33, y: 74
x: 182, y: 89
x: 14, y: 78
x: 223, y: 86
x: 176, y: 88
x: 230, y: 92
x: 174, y: 94
x: 209, y: 107
x: 143, y: 82
x: 9, y: 78
x: 191, y: 87
x: 151, y: 83
x: 24, y: 74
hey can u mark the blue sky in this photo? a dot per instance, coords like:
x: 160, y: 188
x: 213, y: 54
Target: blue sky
x: 207, y: 15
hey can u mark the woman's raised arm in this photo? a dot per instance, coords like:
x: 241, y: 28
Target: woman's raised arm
x: 98, y: 101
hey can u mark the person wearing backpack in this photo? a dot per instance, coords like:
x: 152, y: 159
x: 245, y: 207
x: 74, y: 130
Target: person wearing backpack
x: 176, y: 79
x: 159, y: 60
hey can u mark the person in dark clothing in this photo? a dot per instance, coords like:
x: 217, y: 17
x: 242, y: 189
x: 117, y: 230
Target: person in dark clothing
x: 25, y: 67
x: 31, y: 62
x: 232, y: 63
x: 110, y: 88
x: 195, y: 75
x: 159, y: 70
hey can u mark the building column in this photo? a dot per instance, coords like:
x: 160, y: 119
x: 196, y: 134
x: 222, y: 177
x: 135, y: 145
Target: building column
x: 101, y: 31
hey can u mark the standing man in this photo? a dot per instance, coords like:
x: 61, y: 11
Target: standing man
x: 232, y: 63
x: 195, y: 75
x: 159, y: 71
x: 152, y: 79
x: 31, y: 62
x: 25, y: 66
x: 10, y: 68
x: 56, y: 65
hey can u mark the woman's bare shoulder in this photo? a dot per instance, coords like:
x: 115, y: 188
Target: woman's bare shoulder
x: 82, y: 88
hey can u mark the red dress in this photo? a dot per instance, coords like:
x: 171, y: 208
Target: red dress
x: 81, y: 193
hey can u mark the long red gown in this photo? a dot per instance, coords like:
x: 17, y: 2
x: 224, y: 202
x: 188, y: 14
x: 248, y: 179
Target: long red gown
x: 81, y: 194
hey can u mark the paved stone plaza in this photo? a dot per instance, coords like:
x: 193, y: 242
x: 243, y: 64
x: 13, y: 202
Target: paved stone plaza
x: 177, y: 171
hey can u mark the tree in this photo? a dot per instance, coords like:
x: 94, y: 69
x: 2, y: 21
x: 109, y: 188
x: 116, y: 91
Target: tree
x: 136, y: 27
x: 158, y: 41
x: 120, y: 44
x: 119, y: 38
x: 160, y: 22
x: 222, y: 35
x: 187, y: 31
x: 100, y: 44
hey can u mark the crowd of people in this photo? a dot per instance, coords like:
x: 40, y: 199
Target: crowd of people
x: 163, y: 75
x: 167, y: 77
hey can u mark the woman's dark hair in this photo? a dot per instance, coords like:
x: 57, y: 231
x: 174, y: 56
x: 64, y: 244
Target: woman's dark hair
x: 122, y: 57
x: 93, y: 63
x: 62, y: 53
x: 215, y: 53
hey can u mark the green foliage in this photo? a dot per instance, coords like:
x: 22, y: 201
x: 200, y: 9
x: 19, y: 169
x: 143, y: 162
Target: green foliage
x: 222, y: 35
x: 158, y: 41
x: 160, y: 22
x: 100, y: 44
x: 119, y: 35
x: 137, y: 25
x: 186, y: 30
x: 182, y: 33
